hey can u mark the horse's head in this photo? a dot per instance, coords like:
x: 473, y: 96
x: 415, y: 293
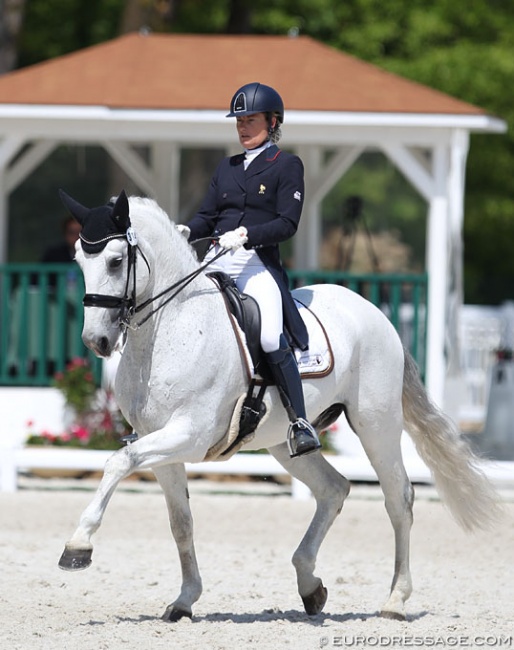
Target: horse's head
x: 108, y: 252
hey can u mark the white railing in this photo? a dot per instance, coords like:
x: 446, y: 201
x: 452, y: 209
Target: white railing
x: 13, y: 461
x: 482, y: 331
x: 355, y: 467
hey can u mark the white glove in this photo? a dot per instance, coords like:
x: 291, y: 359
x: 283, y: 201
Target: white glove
x: 184, y: 230
x: 234, y: 239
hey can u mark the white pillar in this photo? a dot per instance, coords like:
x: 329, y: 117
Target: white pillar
x: 455, y: 389
x: 308, y: 237
x: 166, y: 168
x: 456, y: 188
x: 9, y: 147
x: 437, y: 266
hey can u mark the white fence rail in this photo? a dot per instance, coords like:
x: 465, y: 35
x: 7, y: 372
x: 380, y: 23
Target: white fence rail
x: 354, y: 467
x: 12, y: 461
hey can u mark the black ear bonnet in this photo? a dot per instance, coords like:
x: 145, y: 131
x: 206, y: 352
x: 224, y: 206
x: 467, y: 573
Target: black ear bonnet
x: 101, y: 224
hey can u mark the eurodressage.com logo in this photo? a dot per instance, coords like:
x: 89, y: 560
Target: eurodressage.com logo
x: 408, y: 641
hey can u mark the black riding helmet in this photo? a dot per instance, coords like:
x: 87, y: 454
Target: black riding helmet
x: 257, y: 98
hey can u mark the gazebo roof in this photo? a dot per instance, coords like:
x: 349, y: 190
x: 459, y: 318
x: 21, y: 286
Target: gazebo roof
x: 201, y: 72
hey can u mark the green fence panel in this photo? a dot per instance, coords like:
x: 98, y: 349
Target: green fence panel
x: 41, y: 322
x: 41, y: 315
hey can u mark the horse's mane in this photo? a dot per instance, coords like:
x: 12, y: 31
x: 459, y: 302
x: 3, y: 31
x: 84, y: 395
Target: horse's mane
x: 151, y: 220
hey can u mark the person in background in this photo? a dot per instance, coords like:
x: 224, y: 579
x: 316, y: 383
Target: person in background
x: 254, y: 202
x: 64, y: 252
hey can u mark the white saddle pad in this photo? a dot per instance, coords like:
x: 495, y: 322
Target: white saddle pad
x: 317, y: 360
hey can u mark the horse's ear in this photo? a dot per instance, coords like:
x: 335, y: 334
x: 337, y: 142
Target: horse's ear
x: 120, y: 212
x: 77, y: 210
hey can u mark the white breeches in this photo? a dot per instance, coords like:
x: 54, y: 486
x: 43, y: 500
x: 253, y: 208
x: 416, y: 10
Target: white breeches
x: 251, y: 276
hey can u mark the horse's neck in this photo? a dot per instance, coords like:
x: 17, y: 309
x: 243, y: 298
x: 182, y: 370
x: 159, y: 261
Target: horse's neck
x: 174, y: 294
x: 172, y: 263
x: 177, y: 341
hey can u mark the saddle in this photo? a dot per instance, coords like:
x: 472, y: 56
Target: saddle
x: 250, y: 409
x: 245, y: 310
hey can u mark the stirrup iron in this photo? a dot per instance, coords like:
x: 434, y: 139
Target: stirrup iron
x: 302, y: 438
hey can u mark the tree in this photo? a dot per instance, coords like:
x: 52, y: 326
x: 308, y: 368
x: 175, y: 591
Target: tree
x: 11, y: 20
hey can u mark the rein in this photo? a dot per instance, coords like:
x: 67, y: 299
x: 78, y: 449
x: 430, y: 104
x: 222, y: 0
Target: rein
x: 127, y: 305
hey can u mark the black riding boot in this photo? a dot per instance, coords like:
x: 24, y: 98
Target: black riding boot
x: 301, y: 436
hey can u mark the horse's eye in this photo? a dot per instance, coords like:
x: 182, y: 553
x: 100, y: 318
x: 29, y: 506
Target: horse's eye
x: 115, y: 263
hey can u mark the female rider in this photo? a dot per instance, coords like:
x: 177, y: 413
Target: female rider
x: 253, y: 203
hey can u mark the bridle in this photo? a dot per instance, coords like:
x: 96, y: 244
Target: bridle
x: 127, y: 304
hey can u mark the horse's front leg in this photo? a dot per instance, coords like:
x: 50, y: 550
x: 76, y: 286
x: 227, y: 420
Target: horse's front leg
x: 173, y: 480
x: 78, y: 550
x: 171, y: 444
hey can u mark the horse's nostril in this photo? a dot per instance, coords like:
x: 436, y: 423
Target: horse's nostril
x: 103, y: 346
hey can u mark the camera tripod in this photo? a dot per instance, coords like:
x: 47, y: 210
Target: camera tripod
x: 352, y: 215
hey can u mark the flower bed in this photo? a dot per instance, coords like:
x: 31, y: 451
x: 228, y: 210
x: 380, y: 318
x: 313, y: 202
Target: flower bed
x: 92, y: 418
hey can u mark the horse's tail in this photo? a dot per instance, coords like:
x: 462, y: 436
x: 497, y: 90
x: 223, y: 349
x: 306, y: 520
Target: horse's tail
x: 463, y: 487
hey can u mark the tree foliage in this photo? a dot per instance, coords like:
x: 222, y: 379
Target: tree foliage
x: 463, y: 50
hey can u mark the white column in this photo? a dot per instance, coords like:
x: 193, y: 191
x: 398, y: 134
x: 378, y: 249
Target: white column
x: 307, y: 239
x: 9, y: 147
x: 166, y: 167
x: 455, y: 389
x: 456, y: 187
x: 437, y: 266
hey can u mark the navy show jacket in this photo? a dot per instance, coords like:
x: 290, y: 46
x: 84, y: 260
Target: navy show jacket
x: 266, y: 199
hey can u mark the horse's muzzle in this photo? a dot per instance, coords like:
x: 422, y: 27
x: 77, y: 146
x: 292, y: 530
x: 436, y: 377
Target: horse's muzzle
x: 100, y: 346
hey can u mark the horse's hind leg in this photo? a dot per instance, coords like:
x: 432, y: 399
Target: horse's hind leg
x: 380, y: 438
x: 173, y: 480
x: 330, y: 489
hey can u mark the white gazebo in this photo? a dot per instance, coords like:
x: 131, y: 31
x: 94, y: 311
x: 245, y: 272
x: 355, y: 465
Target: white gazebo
x: 172, y: 91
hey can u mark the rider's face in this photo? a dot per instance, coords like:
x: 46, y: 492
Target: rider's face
x: 252, y: 130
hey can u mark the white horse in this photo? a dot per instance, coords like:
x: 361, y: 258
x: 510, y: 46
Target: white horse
x: 181, y: 374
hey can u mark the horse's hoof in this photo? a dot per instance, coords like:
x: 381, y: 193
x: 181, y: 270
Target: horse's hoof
x: 316, y: 601
x: 174, y: 614
x: 394, y: 616
x: 75, y: 559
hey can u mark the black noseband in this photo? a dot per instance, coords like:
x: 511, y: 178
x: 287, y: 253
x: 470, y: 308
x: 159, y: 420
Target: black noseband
x: 108, y: 302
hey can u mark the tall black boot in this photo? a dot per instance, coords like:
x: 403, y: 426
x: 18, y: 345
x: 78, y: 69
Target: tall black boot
x: 301, y: 436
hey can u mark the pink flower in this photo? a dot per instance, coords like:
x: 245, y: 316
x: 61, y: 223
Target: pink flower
x: 78, y: 362
x: 29, y: 424
x: 81, y: 433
